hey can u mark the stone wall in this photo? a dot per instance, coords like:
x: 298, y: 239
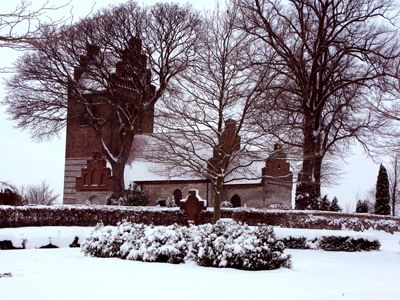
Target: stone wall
x: 248, y: 193
x: 73, y: 167
x: 278, y: 193
x: 94, y: 197
x: 165, y: 189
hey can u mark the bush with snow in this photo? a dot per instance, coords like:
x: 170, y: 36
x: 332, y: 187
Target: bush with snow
x: 225, y: 244
x: 156, y: 244
x: 161, y: 202
x: 348, y: 244
x: 133, y: 197
x: 295, y: 242
x: 226, y: 204
x: 231, y: 244
x: 165, y: 202
x: 105, y: 241
x: 332, y: 243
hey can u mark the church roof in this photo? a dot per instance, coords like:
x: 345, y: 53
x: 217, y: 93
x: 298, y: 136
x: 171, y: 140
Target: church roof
x: 143, y: 164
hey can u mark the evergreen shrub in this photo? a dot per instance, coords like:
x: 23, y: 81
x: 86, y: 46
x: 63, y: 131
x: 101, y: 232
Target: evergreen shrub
x: 361, y: 207
x: 161, y: 202
x: 133, y: 197
x: 332, y: 243
x: 348, y: 244
x: 295, y: 243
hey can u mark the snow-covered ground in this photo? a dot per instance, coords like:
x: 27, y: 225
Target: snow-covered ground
x: 65, y: 273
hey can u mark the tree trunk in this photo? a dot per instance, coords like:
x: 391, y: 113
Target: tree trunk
x: 310, y: 182
x: 317, y: 175
x: 118, y: 163
x: 306, y: 183
x: 217, y: 199
x: 118, y: 180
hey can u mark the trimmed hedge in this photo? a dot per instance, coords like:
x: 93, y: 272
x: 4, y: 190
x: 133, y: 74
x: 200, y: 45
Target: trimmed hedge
x: 332, y: 243
x: 86, y: 216
x: 316, y: 220
x: 21, y: 216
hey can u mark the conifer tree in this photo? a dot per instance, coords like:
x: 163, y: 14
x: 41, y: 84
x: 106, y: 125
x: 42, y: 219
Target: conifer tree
x: 334, y: 205
x: 325, y: 203
x: 361, y: 207
x: 315, y: 202
x: 382, y: 204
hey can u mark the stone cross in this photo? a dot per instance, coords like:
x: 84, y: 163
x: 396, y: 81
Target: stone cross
x: 193, y: 205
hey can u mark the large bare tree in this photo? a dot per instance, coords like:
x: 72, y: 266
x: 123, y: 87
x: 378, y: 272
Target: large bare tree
x: 96, y: 66
x: 332, y: 55
x: 22, y: 26
x: 205, y: 130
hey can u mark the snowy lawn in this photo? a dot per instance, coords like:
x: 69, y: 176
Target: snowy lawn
x: 65, y: 273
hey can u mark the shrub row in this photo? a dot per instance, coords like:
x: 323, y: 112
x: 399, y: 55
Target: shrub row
x: 332, y: 243
x: 20, y: 216
x: 223, y: 245
x: 316, y: 220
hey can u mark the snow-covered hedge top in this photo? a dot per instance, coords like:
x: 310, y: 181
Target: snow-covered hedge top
x: 68, y: 215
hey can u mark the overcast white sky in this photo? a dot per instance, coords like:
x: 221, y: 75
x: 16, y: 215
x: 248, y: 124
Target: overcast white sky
x: 25, y: 162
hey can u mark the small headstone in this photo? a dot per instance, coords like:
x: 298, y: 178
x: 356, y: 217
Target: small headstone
x: 75, y: 243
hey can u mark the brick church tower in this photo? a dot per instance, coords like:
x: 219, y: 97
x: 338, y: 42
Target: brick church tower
x: 86, y: 175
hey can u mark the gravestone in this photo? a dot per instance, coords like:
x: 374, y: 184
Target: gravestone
x: 193, y: 205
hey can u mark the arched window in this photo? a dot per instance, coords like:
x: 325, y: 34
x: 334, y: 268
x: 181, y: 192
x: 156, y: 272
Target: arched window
x: 235, y: 200
x: 103, y: 179
x: 94, y: 200
x: 177, y: 196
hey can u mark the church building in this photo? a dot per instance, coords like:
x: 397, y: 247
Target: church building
x: 89, y: 178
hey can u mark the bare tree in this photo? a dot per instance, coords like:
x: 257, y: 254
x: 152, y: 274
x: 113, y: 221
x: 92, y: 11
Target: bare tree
x: 39, y: 194
x: 206, y: 130
x: 332, y: 56
x: 109, y: 70
x: 22, y: 26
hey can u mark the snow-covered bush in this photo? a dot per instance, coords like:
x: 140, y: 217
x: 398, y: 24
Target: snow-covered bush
x: 166, y: 202
x: 225, y: 244
x: 105, y: 241
x: 171, y: 203
x: 226, y: 204
x: 161, y: 202
x: 295, y: 243
x: 337, y: 243
x: 133, y: 197
x: 233, y: 245
x: 157, y: 243
x: 332, y: 243
x: 280, y: 206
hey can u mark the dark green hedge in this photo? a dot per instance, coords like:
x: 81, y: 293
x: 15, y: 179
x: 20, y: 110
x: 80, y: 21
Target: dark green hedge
x: 21, y: 216
x: 332, y: 243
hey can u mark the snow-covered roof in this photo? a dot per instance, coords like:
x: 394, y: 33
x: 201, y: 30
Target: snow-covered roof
x: 143, y: 164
